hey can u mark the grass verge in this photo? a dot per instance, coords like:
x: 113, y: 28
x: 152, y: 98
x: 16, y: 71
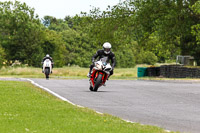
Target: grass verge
x: 65, y: 72
x: 79, y: 73
x: 26, y: 108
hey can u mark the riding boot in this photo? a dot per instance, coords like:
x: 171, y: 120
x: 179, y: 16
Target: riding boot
x: 89, y: 74
x: 108, y: 77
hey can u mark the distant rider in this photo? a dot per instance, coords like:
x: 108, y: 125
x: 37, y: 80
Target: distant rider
x: 105, y: 52
x: 48, y: 57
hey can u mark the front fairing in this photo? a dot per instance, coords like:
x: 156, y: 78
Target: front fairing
x: 103, y: 65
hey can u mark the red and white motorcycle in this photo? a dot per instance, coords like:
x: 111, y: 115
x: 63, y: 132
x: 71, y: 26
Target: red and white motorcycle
x: 99, y: 74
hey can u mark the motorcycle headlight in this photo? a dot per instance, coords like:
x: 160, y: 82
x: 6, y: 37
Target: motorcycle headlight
x: 104, y: 63
x: 98, y: 66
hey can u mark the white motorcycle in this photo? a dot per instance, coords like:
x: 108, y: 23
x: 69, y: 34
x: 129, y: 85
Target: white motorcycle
x: 47, y: 68
x: 99, y: 74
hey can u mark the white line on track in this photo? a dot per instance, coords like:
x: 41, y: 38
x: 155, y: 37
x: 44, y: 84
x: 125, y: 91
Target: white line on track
x: 64, y: 99
x: 53, y: 93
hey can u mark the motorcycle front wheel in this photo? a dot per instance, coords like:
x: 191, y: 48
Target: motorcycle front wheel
x: 98, y: 82
x: 91, y: 88
x: 47, y: 73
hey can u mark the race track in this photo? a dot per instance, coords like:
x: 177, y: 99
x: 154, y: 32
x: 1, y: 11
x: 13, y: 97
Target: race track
x: 171, y: 105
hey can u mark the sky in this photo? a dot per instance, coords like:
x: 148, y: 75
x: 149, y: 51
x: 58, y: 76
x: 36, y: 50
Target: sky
x: 62, y: 8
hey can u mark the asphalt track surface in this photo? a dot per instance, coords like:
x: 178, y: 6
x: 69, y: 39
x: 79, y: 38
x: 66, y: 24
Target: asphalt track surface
x: 170, y: 105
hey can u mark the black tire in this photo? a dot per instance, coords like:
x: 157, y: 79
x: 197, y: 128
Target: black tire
x: 98, y: 82
x: 47, y: 73
x: 91, y: 88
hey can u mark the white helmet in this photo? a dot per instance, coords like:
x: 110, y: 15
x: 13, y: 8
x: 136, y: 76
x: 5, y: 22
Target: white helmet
x: 107, y: 47
x: 47, y: 55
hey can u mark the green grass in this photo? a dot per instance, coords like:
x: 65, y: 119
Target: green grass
x: 26, y: 108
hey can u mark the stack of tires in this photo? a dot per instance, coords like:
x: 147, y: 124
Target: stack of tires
x: 169, y: 71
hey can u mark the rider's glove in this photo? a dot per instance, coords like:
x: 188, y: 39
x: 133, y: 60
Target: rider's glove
x: 93, y: 62
x: 112, y: 67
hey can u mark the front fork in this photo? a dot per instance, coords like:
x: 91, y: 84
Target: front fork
x: 104, y: 77
x: 95, y: 75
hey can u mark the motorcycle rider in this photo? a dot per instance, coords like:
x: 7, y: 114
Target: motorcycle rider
x: 48, y: 57
x: 105, y: 52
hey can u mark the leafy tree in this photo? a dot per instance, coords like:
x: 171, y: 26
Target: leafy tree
x: 140, y: 31
x: 170, y: 20
x: 69, y: 21
x: 79, y: 46
x: 196, y: 30
x: 54, y: 45
x: 21, y: 33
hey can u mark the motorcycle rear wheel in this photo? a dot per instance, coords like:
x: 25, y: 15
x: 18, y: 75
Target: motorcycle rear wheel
x: 98, y: 82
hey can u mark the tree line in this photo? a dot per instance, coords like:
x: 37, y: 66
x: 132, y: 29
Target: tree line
x: 140, y: 31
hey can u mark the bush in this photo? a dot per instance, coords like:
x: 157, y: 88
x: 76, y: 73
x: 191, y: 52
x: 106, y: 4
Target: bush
x: 125, y: 58
x: 150, y: 58
x: 146, y: 57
